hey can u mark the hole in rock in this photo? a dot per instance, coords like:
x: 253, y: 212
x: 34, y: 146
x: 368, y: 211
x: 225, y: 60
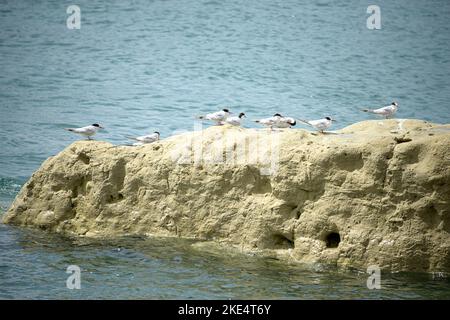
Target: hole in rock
x: 115, y: 197
x: 332, y: 240
x: 84, y: 158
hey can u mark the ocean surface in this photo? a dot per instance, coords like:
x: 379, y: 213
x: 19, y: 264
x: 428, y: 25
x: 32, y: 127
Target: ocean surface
x: 138, y: 66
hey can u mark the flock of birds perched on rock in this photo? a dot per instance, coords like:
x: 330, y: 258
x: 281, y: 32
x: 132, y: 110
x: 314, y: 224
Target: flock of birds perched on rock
x: 224, y: 116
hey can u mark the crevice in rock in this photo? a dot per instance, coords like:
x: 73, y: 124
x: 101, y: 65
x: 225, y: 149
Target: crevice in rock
x: 430, y: 215
x: 79, y: 186
x: 118, y: 173
x: 387, y: 167
x: 402, y: 139
x: 348, y: 161
x: 262, y: 186
x: 30, y: 187
x: 280, y: 241
x: 84, y: 158
x: 286, y: 210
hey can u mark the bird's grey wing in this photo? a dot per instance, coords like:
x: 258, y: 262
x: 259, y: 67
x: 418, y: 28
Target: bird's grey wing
x: 382, y: 110
x: 149, y: 139
x: 217, y: 116
x: 80, y: 130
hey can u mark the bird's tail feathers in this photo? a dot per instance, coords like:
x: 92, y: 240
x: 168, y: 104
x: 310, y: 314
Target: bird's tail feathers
x: 304, y: 121
x: 69, y: 129
x: 131, y: 138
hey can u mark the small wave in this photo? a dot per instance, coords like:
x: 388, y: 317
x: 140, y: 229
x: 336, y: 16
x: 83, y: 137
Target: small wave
x: 9, y: 187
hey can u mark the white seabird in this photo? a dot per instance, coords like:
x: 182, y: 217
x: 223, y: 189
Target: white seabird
x: 149, y: 138
x: 321, y: 124
x: 218, y: 117
x: 87, y: 131
x: 277, y: 121
x: 387, y: 111
x: 236, y: 121
x: 285, y: 122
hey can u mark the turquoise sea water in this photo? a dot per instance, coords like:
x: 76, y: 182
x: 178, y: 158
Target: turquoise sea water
x: 140, y: 66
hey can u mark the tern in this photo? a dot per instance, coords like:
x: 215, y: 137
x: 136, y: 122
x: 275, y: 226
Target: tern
x: 218, y: 117
x: 277, y: 121
x: 321, y: 124
x: 87, y: 131
x: 285, y: 122
x: 387, y: 111
x: 236, y: 121
x: 149, y: 138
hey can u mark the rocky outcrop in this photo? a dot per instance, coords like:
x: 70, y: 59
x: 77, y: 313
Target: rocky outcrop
x: 374, y: 193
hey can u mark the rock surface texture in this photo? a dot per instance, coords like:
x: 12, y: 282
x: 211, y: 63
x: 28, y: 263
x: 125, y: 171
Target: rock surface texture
x: 374, y: 193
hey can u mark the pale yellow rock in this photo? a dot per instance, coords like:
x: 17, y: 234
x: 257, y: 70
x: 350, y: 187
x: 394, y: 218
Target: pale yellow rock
x: 374, y: 193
